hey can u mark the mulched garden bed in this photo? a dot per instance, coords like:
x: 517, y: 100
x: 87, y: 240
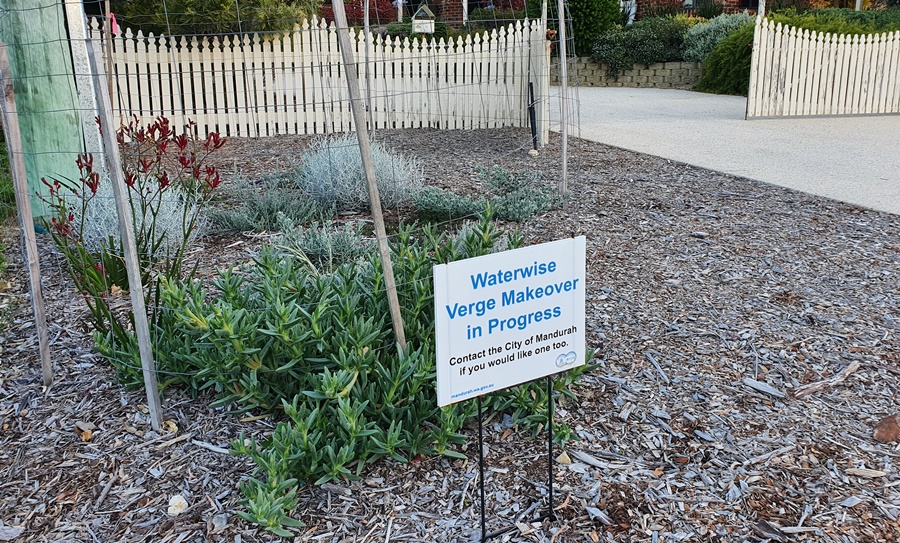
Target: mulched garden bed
x: 711, y: 301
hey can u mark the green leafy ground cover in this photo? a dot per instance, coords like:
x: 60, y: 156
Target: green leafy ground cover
x: 302, y: 332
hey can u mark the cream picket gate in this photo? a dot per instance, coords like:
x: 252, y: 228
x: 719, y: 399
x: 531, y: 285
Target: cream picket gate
x: 796, y: 72
x: 255, y: 85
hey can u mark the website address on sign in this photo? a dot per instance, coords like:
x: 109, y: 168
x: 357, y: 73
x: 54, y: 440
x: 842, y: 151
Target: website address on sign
x: 472, y: 391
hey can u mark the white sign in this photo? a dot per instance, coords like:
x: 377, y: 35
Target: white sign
x: 507, y: 318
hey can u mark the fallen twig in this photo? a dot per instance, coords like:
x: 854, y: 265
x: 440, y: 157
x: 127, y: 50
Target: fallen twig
x: 209, y: 447
x: 173, y: 441
x: 106, y: 489
x: 812, y: 388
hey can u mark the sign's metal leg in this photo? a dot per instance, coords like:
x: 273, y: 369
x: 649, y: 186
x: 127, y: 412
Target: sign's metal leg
x: 550, y: 514
x: 484, y: 536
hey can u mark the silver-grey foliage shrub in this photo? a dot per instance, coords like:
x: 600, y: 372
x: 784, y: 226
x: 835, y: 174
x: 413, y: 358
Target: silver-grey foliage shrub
x: 332, y: 172
x: 704, y: 37
x: 323, y: 246
x: 101, y: 220
x: 259, y: 210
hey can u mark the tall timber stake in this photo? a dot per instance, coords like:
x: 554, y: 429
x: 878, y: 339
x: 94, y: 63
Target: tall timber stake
x: 362, y: 133
x: 126, y: 232
x: 563, y: 99
x: 23, y: 205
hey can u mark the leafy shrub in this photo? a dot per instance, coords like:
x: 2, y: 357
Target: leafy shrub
x: 481, y: 19
x: 841, y: 21
x: 781, y: 5
x: 516, y: 196
x: 590, y: 18
x: 657, y: 39
x: 380, y: 12
x: 264, y: 209
x: 727, y: 68
x: 660, y: 8
x: 324, y: 247
x: 7, y: 194
x: 513, y: 197
x: 320, y: 348
x: 690, y: 20
x: 397, y: 29
x: 708, y: 9
x: 165, y: 173
x: 331, y: 171
x: 434, y: 204
x: 177, y: 17
x: 703, y: 38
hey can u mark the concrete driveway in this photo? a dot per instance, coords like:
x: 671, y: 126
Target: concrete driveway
x: 851, y: 159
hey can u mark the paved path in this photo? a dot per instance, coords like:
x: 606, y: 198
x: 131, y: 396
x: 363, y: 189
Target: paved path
x: 852, y: 159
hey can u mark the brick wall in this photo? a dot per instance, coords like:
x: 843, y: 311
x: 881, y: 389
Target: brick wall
x: 449, y: 11
x: 663, y: 75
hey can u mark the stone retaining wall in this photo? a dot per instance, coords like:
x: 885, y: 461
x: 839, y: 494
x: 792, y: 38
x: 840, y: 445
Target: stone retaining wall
x: 663, y: 75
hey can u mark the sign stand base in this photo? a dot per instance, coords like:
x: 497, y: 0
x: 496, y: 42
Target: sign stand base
x: 485, y: 536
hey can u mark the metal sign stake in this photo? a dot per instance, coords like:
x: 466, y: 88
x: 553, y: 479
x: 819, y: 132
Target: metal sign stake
x: 485, y: 536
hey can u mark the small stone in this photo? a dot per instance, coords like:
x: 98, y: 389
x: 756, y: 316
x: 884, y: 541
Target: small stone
x: 563, y: 459
x: 219, y: 523
x: 533, y: 152
x: 888, y: 430
x: 852, y: 501
x: 177, y: 505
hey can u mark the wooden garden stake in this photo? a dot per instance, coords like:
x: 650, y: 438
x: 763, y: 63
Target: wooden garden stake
x: 126, y: 232
x: 23, y: 208
x: 362, y: 134
x: 563, y: 98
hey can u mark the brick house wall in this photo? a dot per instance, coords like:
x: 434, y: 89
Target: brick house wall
x: 449, y: 10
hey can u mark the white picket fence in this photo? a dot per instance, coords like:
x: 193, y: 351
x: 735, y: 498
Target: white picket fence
x: 797, y: 72
x: 262, y: 85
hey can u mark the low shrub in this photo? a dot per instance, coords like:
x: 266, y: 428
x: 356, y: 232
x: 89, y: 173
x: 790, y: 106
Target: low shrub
x: 331, y: 171
x: 179, y: 17
x: 434, y: 204
x: 708, y: 9
x: 380, y: 12
x: 515, y: 197
x: 704, y: 37
x: 324, y: 247
x: 319, y: 348
x: 264, y: 208
x: 481, y: 19
x: 590, y: 18
x: 403, y: 29
x: 656, y: 39
x: 841, y: 21
x: 727, y: 68
x: 660, y: 8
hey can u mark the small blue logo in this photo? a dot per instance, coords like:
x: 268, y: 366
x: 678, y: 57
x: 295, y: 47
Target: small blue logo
x: 566, y: 359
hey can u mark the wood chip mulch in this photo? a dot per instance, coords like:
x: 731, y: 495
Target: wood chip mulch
x: 748, y: 342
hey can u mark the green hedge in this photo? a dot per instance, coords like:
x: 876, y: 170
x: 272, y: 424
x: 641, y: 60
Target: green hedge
x: 727, y: 68
x: 655, y: 39
x: 590, y: 18
x: 841, y: 21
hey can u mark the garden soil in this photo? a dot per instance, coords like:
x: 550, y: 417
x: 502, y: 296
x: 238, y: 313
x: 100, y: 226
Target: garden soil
x: 746, y: 339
